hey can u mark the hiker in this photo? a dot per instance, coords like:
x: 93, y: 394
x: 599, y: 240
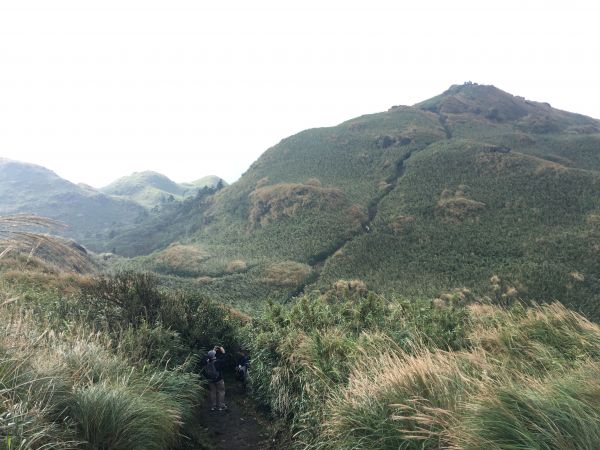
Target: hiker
x: 214, y: 373
x: 241, y: 369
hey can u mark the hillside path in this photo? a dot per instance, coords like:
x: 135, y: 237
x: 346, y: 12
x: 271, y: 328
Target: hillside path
x: 241, y: 427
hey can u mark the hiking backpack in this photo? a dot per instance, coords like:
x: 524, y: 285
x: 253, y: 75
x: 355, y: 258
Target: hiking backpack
x: 211, y: 371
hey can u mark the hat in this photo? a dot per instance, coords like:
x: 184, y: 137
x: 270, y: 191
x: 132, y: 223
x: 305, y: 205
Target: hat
x: 212, y: 354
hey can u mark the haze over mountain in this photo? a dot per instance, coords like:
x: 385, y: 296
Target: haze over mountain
x: 90, y: 215
x: 417, y: 200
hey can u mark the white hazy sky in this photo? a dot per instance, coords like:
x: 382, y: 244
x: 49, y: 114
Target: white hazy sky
x: 95, y: 90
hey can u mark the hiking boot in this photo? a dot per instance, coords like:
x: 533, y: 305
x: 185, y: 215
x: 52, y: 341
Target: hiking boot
x: 223, y: 408
x: 214, y: 408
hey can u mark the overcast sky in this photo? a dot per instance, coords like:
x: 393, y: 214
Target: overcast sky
x: 95, y: 90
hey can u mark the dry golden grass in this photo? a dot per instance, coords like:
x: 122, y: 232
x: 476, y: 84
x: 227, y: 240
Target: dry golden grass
x: 500, y: 162
x: 274, y: 202
x: 237, y: 314
x: 237, y: 265
x: 456, y: 297
x: 593, y: 220
x: 262, y: 182
x: 455, y: 208
x: 345, y: 287
x: 357, y: 215
x: 286, y: 273
x: 17, y: 237
x: 419, y: 133
x: 339, y: 252
x: 182, y: 257
x: 418, y: 394
x: 204, y: 280
x: 383, y: 185
x: 62, y: 282
x: 577, y: 276
x: 401, y: 224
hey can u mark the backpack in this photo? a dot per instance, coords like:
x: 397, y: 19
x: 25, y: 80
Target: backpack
x: 211, y: 371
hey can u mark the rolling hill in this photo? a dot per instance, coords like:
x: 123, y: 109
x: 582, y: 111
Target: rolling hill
x: 150, y: 189
x: 475, y: 188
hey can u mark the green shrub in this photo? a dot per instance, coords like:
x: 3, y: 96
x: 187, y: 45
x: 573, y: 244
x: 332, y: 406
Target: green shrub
x: 157, y: 324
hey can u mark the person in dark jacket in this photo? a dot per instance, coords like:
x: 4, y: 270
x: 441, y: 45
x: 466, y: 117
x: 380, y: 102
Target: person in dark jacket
x: 216, y: 383
x: 241, y: 369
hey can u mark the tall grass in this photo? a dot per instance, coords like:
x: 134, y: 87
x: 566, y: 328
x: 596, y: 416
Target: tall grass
x: 301, y: 355
x: 559, y: 413
x: 356, y: 371
x: 528, y: 380
x: 73, y: 389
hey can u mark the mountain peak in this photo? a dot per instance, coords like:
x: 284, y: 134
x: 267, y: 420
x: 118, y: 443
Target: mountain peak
x: 497, y: 106
x: 485, y: 100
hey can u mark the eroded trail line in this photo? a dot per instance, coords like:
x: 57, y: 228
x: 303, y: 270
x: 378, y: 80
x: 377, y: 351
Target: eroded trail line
x: 372, y: 209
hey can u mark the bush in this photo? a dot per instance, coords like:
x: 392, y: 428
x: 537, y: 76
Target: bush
x: 157, y: 325
x: 110, y: 417
x: 128, y: 298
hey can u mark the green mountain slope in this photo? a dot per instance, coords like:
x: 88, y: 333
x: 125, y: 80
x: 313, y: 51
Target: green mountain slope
x: 90, y: 216
x: 418, y: 201
x: 150, y: 189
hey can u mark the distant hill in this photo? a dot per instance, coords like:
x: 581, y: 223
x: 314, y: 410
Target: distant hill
x: 210, y: 181
x: 473, y: 188
x: 90, y: 216
x: 150, y: 189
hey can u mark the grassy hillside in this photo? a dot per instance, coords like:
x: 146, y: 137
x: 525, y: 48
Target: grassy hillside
x: 461, y: 215
x: 150, y: 189
x: 418, y: 200
x: 162, y: 225
x: 90, y: 216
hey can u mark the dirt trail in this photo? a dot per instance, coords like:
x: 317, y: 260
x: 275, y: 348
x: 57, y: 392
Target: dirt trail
x: 241, y: 426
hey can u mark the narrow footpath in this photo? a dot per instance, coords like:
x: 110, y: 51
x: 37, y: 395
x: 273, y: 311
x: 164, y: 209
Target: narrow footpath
x: 240, y: 427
